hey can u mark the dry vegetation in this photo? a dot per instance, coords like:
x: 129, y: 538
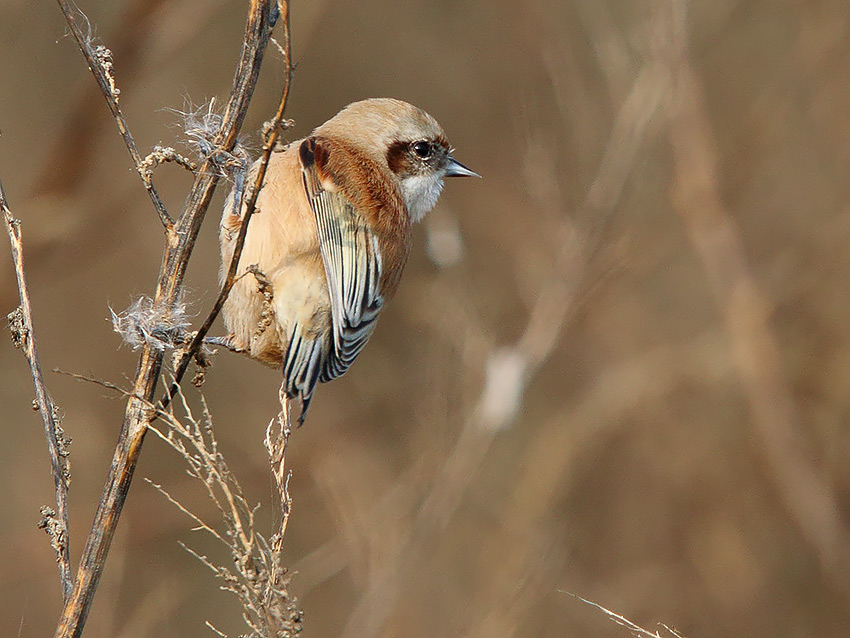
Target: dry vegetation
x: 616, y: 367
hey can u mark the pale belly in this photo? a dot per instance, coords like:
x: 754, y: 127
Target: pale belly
x: 263, y: 318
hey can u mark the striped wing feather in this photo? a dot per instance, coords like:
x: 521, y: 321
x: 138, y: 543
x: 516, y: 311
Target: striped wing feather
x: 352, y: 260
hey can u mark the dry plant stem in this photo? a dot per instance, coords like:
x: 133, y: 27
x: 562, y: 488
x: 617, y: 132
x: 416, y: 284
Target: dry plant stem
x: 745, y: 310
x: 106, y: 82
x: 635, y: 629
x: 73, y: 148
x: 250, y: 206
x: 58, y: 462
x: 180, y: 244
x: 254, y: 574
x: 277, y: 438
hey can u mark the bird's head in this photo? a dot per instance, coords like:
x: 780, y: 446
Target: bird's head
x: 405, y: 139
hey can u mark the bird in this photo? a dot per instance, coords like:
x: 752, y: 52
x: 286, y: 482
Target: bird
x: 330, y: 236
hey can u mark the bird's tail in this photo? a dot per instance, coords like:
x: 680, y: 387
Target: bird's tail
x: 302, y: 365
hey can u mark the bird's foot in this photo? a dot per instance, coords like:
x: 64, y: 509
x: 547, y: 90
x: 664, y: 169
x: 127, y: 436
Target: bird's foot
x: 224, y: 342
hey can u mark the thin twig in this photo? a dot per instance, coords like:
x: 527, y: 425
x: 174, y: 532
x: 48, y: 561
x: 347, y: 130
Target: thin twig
x: 250, y: 206
x: 254, y: 574
x: 99, y: 60
x: 70, y: 157
x: 276, y: 441
x: 201, y: 525
x: 635, y: 629
x: 161, y: 155
x: 24, y: 337
x: 180, y: 245
x: 104, y: 384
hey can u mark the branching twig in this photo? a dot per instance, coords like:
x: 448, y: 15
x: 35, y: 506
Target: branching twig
x: 180, y: 244
x: 269, y: 142
x: 277, y: 438
x: 99, y: 59
x: 259, y: 581
x: 132, y: 43
x: 256, y: 577
x: 20, y: 321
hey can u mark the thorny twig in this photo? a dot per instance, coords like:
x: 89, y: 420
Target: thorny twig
x: 20, y: 322
x: 179, y: 247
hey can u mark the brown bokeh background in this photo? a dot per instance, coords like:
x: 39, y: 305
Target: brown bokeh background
x: 618, y: 366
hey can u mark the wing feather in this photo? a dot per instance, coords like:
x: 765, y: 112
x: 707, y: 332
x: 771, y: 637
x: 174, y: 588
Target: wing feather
x: 352, y: 259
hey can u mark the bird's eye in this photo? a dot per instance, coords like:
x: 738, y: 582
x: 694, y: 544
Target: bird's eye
x: 422, y: 149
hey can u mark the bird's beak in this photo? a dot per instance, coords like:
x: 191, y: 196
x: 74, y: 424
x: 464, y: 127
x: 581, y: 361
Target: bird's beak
x: 456, y: 169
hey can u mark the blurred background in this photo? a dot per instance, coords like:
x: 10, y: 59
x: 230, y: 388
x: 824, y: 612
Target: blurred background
x: 618, y: 365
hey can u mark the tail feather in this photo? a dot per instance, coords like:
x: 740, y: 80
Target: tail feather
x: 302, y: 365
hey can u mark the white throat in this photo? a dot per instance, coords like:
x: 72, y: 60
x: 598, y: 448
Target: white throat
x: 420, y: 193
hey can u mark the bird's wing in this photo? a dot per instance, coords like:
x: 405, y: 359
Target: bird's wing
x: 351, y: 255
